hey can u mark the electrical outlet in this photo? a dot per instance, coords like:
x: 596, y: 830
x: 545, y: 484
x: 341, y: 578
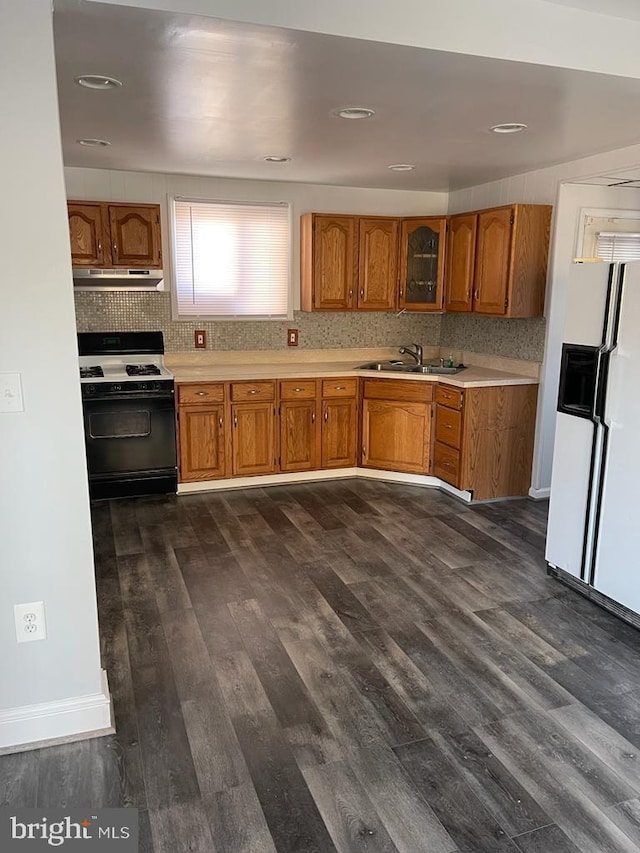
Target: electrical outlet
x: 292, y: 337
x: 200, y: 339
x: 30, y: 622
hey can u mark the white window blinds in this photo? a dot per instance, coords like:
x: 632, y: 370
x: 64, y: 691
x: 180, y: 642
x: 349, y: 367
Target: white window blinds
x: 618, y: 246
x: 231, y: 259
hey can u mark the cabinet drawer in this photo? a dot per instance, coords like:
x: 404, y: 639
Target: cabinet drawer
x: 253, y: 391
x: 446, y: 464
x: 201, y: 393
x: 447, y: 395
x: 339, y: 387
x: 297, y: 389
x: 398, y: 389
x: 449, y: 426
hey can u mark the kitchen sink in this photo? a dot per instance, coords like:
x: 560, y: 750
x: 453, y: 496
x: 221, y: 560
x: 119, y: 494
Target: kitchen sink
x: 408, y: 367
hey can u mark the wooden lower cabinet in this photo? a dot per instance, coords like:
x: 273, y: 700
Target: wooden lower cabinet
x: 202, y: 442
x: 298, y: 436
x: 339, y: 433
x: 484, y: 439
x: 253, y: 439
x: 396, y: 425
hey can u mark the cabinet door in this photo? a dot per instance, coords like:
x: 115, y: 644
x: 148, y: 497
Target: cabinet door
x: 298, y: 436
x: 422, y: 264
x: 339, y: 433
x: 201, y: 438
x: 86, y: 234
x: 461, y: 252
x: 377, y: 264
x: 135, y: 235
x: 493, y: 261
x: 253, y: 439
x: 396, y: 435
x: 334, y: 262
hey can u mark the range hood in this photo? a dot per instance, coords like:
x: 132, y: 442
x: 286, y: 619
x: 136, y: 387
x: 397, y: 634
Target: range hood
x: 118, y: 279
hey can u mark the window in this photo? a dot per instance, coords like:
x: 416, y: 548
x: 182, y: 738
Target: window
x: 617, y: 246
x: 231, y: 259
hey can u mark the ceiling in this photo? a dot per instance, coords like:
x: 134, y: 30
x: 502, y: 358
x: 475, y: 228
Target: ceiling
x: 210, y: 97
x: 616, y: 8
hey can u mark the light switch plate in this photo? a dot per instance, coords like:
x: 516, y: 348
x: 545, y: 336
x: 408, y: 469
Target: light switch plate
x: 11, y: 393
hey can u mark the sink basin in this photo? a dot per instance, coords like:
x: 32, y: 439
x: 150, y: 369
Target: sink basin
x: 409, y: 367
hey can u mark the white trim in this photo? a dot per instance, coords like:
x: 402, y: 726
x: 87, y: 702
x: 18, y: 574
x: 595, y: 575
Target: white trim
x: 540, y: 494
x: 334, y: 474
x: 68, y: 719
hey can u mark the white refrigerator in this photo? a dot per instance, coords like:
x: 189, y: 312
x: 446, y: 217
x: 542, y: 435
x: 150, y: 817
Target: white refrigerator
x: 593, y: 537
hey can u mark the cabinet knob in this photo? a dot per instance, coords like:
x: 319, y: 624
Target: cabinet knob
x: 235, y: 420
x: 351, y: 293
x: 362, y: 293
x: 313, y: 417
x: 326, y: 416
x: 476, y: 294
x: 220, y: 422
x: 115, y: 248
x: 447, y: 426
x: 99, y: 245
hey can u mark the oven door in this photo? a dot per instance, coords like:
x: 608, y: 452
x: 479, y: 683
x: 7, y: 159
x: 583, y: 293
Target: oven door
x: 130, y: 440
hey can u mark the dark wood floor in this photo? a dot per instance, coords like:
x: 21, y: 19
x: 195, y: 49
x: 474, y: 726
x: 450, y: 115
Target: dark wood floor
x: 352, y: 666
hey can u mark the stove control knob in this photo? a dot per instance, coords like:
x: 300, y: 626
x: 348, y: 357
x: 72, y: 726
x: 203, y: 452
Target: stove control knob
x: 143, y: 386
x: 90, y: 389
x: 117, y: 387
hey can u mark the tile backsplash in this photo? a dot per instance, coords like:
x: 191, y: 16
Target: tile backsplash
x: 130, y: 311
x: 522, y: 339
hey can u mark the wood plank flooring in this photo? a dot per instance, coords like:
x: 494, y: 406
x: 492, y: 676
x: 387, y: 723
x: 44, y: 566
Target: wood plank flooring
x: 350, y: 666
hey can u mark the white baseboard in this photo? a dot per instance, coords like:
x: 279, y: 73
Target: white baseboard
x: 539, y: 494
x: 310, y: 476
x: 54, y: 722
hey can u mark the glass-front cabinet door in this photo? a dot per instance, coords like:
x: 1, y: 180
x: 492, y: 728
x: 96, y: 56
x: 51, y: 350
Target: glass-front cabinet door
x: 422, y: 264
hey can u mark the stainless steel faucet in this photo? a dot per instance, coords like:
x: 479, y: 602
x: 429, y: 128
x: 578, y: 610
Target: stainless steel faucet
x: 408, y: 351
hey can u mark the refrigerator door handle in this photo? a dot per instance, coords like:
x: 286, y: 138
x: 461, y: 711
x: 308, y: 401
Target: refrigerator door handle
x: 602, y: 376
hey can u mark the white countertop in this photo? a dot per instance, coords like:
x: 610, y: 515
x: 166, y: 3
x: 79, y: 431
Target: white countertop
x: 472, y: 377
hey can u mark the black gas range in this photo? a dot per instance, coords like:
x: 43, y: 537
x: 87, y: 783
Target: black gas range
x: 129, y: 414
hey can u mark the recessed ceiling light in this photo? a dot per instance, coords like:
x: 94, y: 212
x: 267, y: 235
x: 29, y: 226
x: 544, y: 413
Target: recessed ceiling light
x: 401, y: 167
x: 94, y: 143
x: 97, y: 81
x: 272, y: 158
x: 356, y: 112
x: 508, y: 127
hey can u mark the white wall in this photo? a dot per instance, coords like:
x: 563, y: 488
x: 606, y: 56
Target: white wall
x: 46, y: 552
x: 108, y: 185
x: 546, y: 186
x: 527, y: 30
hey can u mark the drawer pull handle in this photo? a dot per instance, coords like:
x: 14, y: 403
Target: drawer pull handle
x: 254, y: 391
x: 447, y: 426
x: 202, y: 393
x: 298, y: 389
x: 340, y: 388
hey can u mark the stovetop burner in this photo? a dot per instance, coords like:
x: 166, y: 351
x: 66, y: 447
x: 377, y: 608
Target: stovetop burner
x: 91, y: 372
x: 143, y: 370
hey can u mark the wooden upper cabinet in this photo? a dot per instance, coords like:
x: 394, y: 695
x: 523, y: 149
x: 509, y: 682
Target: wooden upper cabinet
x: 377, y: 264
x: 460, y: 262
x: 114, y: 235
x: 135, y: 235
x: 328, y: 262
x: 493, y: 261
x: 511, y: 260
x: 86, y: 234
x: 422, y: 244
